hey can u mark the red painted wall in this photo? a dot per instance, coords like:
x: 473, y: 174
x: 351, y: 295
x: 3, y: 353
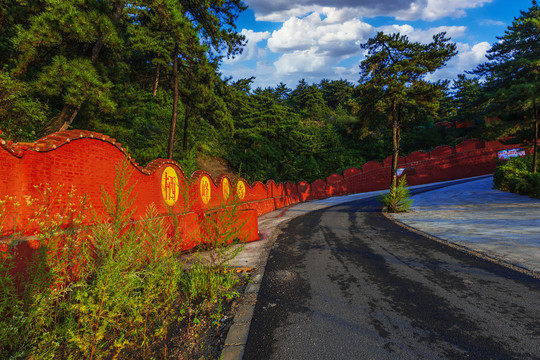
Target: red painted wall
x: 88, y: 162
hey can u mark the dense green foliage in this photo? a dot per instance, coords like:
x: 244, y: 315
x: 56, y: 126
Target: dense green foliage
x: 516, y: 175
x: 22, y: 116
x: 147, y: 73
x: 279, y: 136
x: 512, y: 88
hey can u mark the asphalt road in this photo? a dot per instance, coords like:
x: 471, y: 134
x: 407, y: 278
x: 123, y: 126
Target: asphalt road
x: 347, y: 283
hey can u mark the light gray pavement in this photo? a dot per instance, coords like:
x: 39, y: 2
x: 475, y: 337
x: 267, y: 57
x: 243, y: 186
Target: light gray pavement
x: 500, y: 225
x: 254, y: 253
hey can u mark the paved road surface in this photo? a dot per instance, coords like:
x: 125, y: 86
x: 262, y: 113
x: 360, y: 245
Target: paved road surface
x: 347, y: 283
x: 500, y: 224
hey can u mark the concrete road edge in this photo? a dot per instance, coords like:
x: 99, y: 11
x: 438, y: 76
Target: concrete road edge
x: 465, y: 249
x: 237, y: 336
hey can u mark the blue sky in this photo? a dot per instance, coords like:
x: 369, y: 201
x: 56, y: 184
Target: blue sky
x: 320, y: 39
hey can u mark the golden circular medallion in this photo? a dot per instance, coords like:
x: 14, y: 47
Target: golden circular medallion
x: 169, y: 186
x: 240, y: 189
x: 226, y: 189
x: 206, y: 190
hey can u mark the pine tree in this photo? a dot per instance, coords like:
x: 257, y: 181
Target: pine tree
x: 21, y: 116
x: 393, y: 81
x: 62, y: 45
x: 336, y: 92
x: 468, y: 99
x: 309, y: 102
x: 512, y: 72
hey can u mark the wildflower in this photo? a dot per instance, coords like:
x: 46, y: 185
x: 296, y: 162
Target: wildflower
x: 28, y: 200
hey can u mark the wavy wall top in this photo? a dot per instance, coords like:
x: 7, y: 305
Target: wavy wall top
x: 88, y: 161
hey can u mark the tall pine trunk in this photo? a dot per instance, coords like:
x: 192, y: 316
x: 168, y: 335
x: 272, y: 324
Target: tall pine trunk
x: 535, y: 146
x: 156, y: 81
x: 64, y: 119
x: 187, y: 113
x: 172, y: 130
x: 396, y: 136
x: 186, y: 128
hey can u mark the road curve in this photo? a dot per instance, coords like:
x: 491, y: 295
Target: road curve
x: 347, y: 283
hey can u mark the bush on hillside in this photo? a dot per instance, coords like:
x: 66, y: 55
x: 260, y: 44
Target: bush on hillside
x: 515, y: 175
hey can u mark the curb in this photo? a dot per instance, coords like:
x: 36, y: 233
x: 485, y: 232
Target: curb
x: 237, y: 337
x: 465, y: 249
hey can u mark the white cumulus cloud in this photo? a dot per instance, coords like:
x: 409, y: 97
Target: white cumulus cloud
x: 437, y: 9
x: 281, y: 10
x: 320, y: 41
x: 467, y: 59
x: 491, y: 22
x: 321, y: 38
x: 424, y: 36
x: 251, y: 50
x: 315, y: 31
x: 302, y: 61
x: 469, y: 56
x: 317, y: 41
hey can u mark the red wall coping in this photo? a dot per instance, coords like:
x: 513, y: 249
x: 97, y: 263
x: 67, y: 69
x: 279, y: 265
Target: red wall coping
x: 416, y: 156
x: 351, y: 172
x: 388, y: 161
x: 371, y: 165
x: 443, y: 150
x: 87, y: 160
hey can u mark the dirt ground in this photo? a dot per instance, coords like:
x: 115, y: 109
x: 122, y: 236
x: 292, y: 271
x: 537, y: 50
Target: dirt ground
x: 216, y: 167
x: 203, y: 340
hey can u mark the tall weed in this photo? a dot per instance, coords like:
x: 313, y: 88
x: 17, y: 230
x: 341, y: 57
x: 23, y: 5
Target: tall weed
x: 110, y: 290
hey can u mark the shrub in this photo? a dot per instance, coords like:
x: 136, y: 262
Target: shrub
x: 515, y: 175
x: 397, y: 199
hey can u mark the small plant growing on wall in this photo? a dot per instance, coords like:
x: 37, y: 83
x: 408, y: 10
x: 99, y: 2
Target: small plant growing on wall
x: 397, y: 199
